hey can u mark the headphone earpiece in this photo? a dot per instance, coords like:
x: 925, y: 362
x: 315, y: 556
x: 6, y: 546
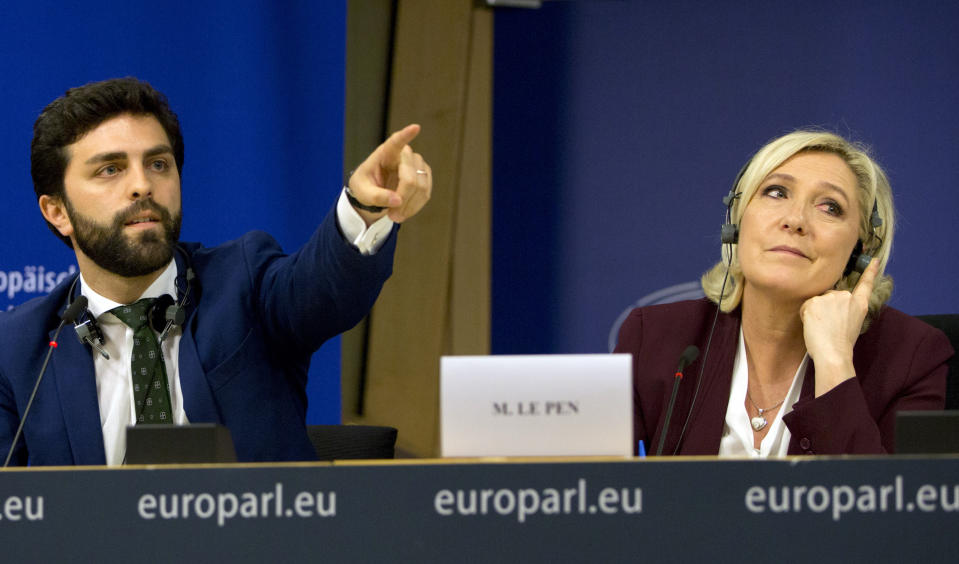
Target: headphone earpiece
x: 729, y: 233
x: 858, y: 261
x: 89, y: 333
x: 165, y: 310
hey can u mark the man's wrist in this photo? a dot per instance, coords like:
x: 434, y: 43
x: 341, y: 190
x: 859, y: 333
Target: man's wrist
x: 358, y: 204
x: 366, y: 236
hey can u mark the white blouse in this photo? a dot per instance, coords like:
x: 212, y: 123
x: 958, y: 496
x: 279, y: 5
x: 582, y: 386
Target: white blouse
x: 737, y: 438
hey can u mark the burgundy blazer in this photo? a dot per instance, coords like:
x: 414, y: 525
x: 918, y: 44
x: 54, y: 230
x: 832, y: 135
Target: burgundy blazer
x: 900, y: 365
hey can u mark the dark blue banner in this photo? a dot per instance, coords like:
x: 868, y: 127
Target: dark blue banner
x: 707, y: 510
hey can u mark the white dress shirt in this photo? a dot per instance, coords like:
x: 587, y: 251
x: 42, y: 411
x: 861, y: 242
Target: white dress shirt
x: 113, y: 378
x: 738, y: 432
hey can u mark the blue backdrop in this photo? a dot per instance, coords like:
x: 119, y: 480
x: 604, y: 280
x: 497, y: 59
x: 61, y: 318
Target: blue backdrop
x: 619, y: 125
x: 258, y: 87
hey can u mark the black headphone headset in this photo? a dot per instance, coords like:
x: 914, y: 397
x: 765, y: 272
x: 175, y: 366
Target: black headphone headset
x: 858, y: 259
x: 164, y: 314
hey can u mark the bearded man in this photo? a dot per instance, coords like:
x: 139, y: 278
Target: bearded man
x: 174, y: 332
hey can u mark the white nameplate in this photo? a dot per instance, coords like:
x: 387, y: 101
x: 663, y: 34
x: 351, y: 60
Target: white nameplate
x: 536, y: 405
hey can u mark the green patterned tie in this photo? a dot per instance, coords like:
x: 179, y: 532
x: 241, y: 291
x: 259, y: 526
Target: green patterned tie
x: 150, y: 391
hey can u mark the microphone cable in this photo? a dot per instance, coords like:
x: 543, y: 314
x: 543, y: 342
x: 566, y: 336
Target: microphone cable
x: 729, y: 201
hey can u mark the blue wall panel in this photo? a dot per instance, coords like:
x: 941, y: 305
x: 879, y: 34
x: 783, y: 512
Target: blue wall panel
x: 619, y: 125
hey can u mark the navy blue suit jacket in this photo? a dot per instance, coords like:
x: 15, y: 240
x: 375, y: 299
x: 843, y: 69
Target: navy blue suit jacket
x: 255, y: 316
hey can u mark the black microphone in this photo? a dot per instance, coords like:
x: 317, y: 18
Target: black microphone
x: 688, y: 356
x: 72, y: 312
x: 69, y: 316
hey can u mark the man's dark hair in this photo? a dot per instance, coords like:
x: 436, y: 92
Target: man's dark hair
x: 81, y: 110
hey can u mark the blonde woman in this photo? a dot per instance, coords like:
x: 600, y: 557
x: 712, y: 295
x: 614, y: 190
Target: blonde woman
x: 799, y: 354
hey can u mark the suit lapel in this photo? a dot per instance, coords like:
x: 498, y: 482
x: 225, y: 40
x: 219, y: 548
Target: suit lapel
x: 705, y: 429
x: 71, y: 368
x: 197, y: 397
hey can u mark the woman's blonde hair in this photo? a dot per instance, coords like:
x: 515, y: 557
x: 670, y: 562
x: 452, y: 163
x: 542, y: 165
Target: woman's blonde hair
x: 873, y: 186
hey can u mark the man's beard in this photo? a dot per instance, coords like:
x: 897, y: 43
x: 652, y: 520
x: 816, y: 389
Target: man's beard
x: 111, y: 249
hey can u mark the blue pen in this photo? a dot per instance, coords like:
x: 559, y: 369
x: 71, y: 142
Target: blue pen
x: 642, y: 449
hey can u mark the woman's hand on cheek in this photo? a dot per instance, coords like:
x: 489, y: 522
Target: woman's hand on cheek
x: 831, y: 326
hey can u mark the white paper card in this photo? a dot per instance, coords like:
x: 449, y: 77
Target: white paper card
x: 536, y: 405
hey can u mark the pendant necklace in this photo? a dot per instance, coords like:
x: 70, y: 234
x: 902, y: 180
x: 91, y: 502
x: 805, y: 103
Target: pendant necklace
x: 759, y: 422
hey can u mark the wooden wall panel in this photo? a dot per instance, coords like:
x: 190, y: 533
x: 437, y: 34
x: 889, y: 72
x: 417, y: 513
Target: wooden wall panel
x: 438, y: 299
